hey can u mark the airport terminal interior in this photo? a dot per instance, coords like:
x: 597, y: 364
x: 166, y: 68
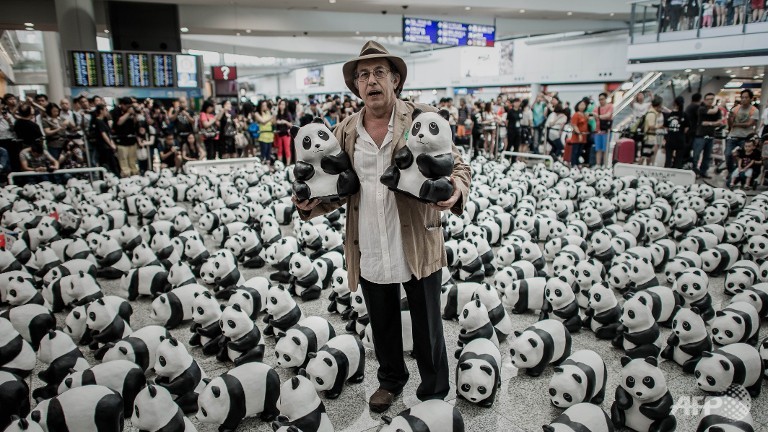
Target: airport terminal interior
x: 383, y: 215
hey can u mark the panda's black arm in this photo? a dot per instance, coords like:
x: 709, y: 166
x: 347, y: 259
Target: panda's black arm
x: 335, y: 164
x: 697, y: 348
x: 210, y: 331
x: 403, y: 158
x: 303, y: 171
x: 623, y: 399
x: 435, y: 166
x: 246, y: 342
x: 660, y: 409
x: 673, y: 340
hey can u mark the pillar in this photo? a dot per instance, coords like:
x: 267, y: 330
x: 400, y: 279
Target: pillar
x: 77, y: 25
x: 535, y: 90
x: 55, y: 67
x: 764, y: 93
x: 449, y: 93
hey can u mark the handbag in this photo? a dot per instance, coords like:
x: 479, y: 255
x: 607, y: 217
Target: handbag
x: 142, y: 153
x: 241, y: 141
x: 209, y: 132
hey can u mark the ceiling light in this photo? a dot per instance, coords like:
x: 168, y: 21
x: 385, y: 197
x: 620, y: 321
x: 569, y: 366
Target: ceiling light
x: 570, y: 13
x: 30, y: 28
x: 248, y: 30
x: 357, y: 33
x: 331, y: 1
x: 733, y: 76
x: 184, y: 29
x: 237, y: 34
x: 702, y: 70
x: 106, y: 31
x: 613, y: 13
x: 29, y: 24
x: 728, y: 71
x: 467, y: 8
x: 687, y: 70
x: 745, y: 67
x: 522, y: 10
x: 756, y: 76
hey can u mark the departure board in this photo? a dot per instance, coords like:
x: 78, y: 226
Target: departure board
x: 447, y: 33
x: 162, y: 70
x: 138, y: 70
x: 84, y: 69
x: 112, y: 73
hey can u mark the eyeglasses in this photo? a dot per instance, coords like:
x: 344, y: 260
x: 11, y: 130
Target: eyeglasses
x: 378, y: 73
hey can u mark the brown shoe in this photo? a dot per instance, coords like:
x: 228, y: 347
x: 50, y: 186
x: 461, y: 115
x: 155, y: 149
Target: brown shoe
x: 381, y: 400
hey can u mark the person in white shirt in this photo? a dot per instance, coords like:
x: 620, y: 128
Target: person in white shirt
x: 453, y: 116
x: 393, y: 240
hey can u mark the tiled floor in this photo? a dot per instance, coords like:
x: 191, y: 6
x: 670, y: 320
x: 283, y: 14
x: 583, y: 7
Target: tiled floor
x: 522, y: 403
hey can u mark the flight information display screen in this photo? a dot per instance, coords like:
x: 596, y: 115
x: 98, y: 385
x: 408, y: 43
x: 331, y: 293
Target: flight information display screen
x: 447, y: 33
x: 186, y: 71
x: 84, y: 69
x: 138, y: 70
x: 112, y: 72
x: 162, y: 70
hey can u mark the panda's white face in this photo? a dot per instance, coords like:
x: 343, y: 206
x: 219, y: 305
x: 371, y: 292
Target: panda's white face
x: 467, y: 252
x: 689, y: 326
x: 300, y: 266
x: 99, y: 316
x: 297, y: 395
x: 161, y: 309
x: 322, y: 371
x: 714, y: 373
x: 636, y: 315
x: 142, y: 255
x: 314, y: 141
x: 567, y: 387
x: 75, y: 323
x: 205, y: 309
x: 172, y: 358
x: 558, y: 293
x: 279, y: 301
x: 473, y: 316
x: 358, y: 303
x: 339, y: 282
x: 643, y: 380
x: 235, y: 323
x: 291, y: 350
x: 476, y: 380
x: 727, y: 328
x: 213, y: 403
x: 692, y: 284
x: 430, y: 133
x: 618, y: 276
x: 153, y: 408
x: 588, y: 273
x: 601, y: 298
x: 20, y: 290
x: 526, y: 350
x: 738, y: 279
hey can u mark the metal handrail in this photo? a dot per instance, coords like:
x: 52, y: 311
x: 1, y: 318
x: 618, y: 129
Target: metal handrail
x: 512, y: 154
x: 13, y: 175
x: 217, y: 162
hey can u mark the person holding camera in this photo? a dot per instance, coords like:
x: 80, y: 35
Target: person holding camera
x: 56, y: 129
x: 170, y: 154
x: 125, y: 118
x: 36, y: 159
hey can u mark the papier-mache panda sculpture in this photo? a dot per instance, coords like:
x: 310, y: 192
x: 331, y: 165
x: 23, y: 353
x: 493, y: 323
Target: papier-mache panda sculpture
x: 323, y: 170
x: 422, y: 168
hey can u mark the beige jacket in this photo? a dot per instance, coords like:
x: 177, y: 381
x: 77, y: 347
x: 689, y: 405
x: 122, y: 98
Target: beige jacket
x: 424, y: 248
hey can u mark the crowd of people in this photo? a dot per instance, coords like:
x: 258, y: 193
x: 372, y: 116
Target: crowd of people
x: 677, y: 15
x: 133, y: 137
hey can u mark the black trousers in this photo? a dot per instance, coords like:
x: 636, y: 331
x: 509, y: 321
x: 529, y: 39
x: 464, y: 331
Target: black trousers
x: 383, y: 302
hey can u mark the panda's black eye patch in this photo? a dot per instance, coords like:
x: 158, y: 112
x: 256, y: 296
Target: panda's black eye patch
x: 306, y: 143
x: 323, y: 135
x: 649, y: 382
x: 433, y: 129
x: 416, y: 128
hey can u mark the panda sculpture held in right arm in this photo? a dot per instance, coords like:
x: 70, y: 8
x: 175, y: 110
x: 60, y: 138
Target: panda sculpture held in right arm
x: 323, y: 170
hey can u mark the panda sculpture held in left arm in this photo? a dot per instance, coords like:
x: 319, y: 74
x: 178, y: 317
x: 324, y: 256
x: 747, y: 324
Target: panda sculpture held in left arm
x: 323, y: 170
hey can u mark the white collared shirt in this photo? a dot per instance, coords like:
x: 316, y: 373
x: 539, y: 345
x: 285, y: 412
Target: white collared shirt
x: 382, y: 259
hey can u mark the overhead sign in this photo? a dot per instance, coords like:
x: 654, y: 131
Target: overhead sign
x: 84, y: 70
x: 112, y: 74
x: 186, y: 71
x: 224, y: 73
x: 138, y: 70
x: 448, y: 33
x: 162, y: 70
x: 676, y: 176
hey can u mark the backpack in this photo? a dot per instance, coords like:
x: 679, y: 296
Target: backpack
x: 253, y: 129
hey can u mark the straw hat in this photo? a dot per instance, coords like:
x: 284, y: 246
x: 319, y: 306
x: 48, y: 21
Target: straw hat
x: 373, y: 50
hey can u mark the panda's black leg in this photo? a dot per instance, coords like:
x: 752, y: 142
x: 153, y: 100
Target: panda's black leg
x: 252, y: 356
x: 188, y: 403
x: 346, y: 314
x: 573, y: 324
x: 311, y: 293
x: 436, y: 190
x: 45, y: 392
x: 99, y: 354
x: 224, y: 294
x: 255, y: 262
x: 194, y: 340
x: 668, y: 424
x: 643, y: 351
x: 689, y: 366
x: 754, y: 390
x: 347, y: 183
x: 617, y: 416
x: 223, y: 354
x: 391, y: 177
x: 109, y: 273
x: 280, y: 276
x: 618, y: 341
x: 536, y: 371
x: 599, y: 397
x: 212, y: 347
x: 607, y: 332
x: 667, y: 352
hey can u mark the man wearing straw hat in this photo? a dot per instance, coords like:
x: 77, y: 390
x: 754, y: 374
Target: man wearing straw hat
x: 393, y: 239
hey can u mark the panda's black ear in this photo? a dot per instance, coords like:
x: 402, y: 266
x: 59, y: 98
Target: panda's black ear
x: 625, y: 360
x: 477, y: 303
x: 216, y: 391
x: 318, y: 120
x: 517, y: 333
x: 35, y: 416
x: 311, y: 355
x: 237, y: 307
x: 81, y: 273
x: 173, y: 341
x: 328, y: 361
x: 465, y: 366
x: 695, y: 310
x: 533, y: 342
x: 162, y: 338
x: 295, y: 382
x: 152, y: 390
x: 737, y: 319
x: 222, y: 307
x: 726, y: 366
x: 51, y: 334
x: 652, y: 361
x: 302, y: 372
x: 548, y: 428
x: 386, y: 419
x: 416, y: 112
x: 720, y: 313
x: 123, y: 350
x: 68, y: 382
x: 487, y: 369
x: 76, y: 314
x: 558, y: 369
x: 577, y: 378
x: 643, y: 300
x: 296, y: 340
x: 196, y: 294
x: 444, y: 114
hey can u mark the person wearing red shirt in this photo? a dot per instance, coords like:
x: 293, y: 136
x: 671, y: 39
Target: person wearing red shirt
x: 580, y: 131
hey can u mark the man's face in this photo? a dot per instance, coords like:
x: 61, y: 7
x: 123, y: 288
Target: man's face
x: 41, y: 101
x: 182, y: 102
x: 745, y: 99
x: 749, y: 146
x: 516, y: 104
x: 377, y: 92
x: 602, y: 100
x: 64, y: 105
x: 709, y: 100
x: 640, y: 98
x: 11, y: 102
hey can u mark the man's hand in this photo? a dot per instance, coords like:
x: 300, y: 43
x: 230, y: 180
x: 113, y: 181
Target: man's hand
x: 447, y: 204
x: 306, y: 205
